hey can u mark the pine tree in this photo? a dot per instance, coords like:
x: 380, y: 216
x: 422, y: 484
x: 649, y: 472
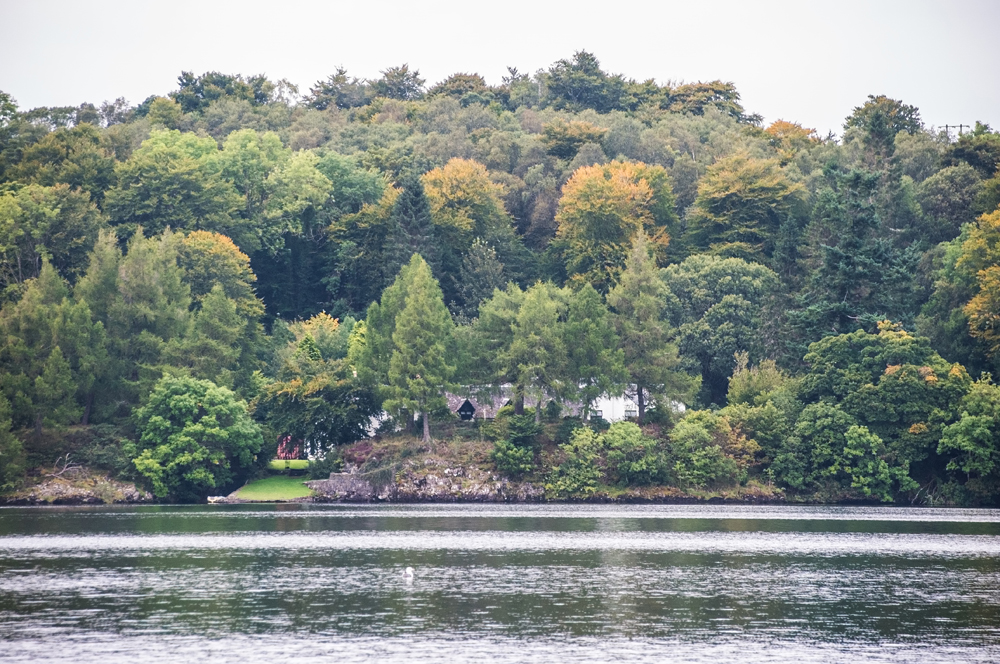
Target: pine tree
x: 537, y: 351
x: 419, y: 371
x: 411, y: 227
x: 55, y: 404
x: 650, y: 358
x: 482, y: 273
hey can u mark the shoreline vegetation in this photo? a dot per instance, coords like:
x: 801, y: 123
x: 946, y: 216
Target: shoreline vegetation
x: 233, y: 272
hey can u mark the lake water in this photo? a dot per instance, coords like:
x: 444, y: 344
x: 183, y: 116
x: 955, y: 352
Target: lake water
x: 324, y: 583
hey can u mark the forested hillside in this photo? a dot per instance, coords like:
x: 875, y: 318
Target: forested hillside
x: 187, y: 280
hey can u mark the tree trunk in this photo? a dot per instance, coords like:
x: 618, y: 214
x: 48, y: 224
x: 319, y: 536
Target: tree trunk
x: 640, y: 402
x: 38, y: 426
x: 538, y: 410
x: 86, y: 409
x: 427, y: 426
x: 519, y: 402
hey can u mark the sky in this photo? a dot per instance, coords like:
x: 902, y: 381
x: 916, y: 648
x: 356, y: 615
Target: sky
x: 808, y: 62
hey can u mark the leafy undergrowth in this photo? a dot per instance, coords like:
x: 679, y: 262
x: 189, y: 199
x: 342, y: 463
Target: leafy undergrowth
x: 276, y: 487
x: 460, y: 447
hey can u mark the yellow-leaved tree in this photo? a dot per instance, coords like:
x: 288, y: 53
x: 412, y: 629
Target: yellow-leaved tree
x: 601, y: 210
x: 981, y: 256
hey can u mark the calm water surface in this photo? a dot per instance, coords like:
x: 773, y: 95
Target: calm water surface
x: 310, y: 583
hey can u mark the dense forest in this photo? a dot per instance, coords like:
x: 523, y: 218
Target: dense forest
x: 188, y: 281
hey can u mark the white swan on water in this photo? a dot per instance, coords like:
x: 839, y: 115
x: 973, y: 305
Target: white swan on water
x: 408, y: 573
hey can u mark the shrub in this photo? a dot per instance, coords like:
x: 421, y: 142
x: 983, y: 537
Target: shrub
x: 579, y: 475
x: 566, y: 428
x: 522, y: 430
x: 698, y: 455
x: 512, y: 460
x: 633, y: 458
x: 320, y: 469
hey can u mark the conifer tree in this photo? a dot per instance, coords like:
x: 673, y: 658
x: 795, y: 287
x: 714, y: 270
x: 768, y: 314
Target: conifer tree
x: 482, y: 273
x: 54, y: 393
x: 420, y: 371
x: 650, y: 358
x: 596, y: 362
x: 537, y: 351
x: 411, y: 226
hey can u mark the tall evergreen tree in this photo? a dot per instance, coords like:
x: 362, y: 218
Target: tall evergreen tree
x: 651, y: 358
x: 482, y: 273
x: 420, y: 371
x: 596, y: 361
x: 411, y: 229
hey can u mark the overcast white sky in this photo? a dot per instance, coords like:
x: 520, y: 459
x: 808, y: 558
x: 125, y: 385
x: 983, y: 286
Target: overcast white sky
x: 809, y: 62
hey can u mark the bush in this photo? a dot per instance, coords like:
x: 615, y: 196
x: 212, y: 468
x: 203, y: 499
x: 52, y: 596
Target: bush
x: 194, y: 438
x: 633, y: 458
x: 579, y: 475
x: 106, y: 448
x: 522, y: 430
x: 320, y: 469
x: 697, y: 455
x: 552, y: 411
x: 566, y: 428
x: 512, y: 460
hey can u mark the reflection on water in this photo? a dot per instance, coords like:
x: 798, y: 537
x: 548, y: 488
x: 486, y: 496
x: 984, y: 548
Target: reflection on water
x: 507, y: 583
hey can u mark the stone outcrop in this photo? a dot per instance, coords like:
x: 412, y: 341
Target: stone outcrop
x: 82, y: 487
x: 431, y: 480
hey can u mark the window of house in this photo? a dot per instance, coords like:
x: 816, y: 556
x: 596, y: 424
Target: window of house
x: 631, y: 413
x: 597, y: 413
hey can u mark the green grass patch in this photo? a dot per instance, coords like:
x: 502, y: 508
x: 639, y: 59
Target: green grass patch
x: 297, y: 464
x: 278, y: 487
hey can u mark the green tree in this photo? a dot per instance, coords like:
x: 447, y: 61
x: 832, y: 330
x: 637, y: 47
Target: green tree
x: 37, y: 223
x: 493, y: 334
x: 196, y: 93
x: 175, y: 180
x: 411, y: 227
x: 77, y: 157
x: 419, y: 369
x: 719, y: 307
x: 399, y: 83
x: 537, y: 351
x: 948, y: 200
x: 880, y: 119
x: 595, y: 359
x: 317, y: 397
x: 972, y: 443
x: 194, y: 437
x: 246, y: 159
x: 12, y: 460
x: 858, y: 276
x: 741, y: 204
x: 339, y: 91
x: 980, y: 149
x: 482, y: 273
x: 651, y: 360
x: 55, y: 390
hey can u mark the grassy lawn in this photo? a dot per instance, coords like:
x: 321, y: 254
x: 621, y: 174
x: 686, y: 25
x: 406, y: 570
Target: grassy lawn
x: 278, y: 487
x: 297, y: 464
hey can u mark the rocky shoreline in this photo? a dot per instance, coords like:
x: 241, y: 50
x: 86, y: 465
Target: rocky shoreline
x: 433, y: 481
x: 82, y: 487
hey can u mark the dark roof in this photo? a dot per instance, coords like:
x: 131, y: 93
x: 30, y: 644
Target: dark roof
x: 486, y: 404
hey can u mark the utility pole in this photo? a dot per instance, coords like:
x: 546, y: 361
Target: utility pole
x: 960, y: 127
